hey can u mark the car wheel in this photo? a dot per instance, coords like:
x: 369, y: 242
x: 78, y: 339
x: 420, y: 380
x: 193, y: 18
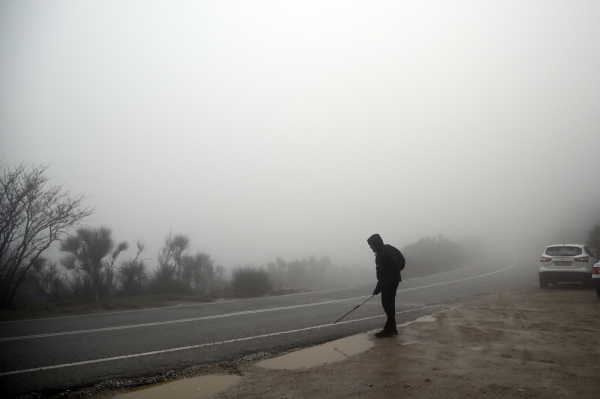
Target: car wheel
x: 598, y: 290
x: 543, y: 282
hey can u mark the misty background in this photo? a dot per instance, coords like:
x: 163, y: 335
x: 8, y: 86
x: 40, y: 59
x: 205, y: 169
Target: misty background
x: 269, y: 129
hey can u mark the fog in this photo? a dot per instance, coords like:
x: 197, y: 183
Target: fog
x: 265, y: 128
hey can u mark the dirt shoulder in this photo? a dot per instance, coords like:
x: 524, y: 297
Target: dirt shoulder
x: 522, y: 342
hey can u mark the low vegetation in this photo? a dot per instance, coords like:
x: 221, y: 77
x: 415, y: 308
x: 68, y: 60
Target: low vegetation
x: 30, y: 309
x: 250, y: 281
x: 431, y: 255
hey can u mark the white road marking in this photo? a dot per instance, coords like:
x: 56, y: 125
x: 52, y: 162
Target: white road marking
x: 108, y: 359
x: 239, y: 313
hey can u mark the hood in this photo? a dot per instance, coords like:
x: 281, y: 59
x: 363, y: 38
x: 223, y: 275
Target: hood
x: 376, y: 241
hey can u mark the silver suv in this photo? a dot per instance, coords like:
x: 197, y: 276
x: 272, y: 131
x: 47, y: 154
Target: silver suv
x: 566, y: 262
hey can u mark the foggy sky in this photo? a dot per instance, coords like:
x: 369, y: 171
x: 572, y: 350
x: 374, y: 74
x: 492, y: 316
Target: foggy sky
x: 268, y: 128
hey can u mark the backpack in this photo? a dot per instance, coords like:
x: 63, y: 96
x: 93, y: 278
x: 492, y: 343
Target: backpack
x: 401, y: 257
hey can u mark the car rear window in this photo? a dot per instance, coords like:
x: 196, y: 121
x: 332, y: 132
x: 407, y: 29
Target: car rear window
x: 589, y: 252
x: 563, y: 251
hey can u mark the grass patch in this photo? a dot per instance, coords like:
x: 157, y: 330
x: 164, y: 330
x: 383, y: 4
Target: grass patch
x: 39, y: 309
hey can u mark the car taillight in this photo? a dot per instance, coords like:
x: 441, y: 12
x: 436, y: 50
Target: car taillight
x: 582, y: 259
x: 545, y: 259
x: 596, y: 270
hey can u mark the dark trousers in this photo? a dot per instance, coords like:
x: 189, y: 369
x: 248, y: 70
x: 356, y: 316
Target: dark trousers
x: 388, y: 301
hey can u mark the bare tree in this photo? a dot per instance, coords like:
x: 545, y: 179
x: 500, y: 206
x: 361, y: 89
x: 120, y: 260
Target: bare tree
x: 33, y: 215
x: 91, y: 254
x: 170, y: 254
x: 168, y: 276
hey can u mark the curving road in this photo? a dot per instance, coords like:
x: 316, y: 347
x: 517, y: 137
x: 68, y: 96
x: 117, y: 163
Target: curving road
x: 63, y: 353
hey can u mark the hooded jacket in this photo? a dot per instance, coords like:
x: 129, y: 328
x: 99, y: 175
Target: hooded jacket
x: 387, y: 263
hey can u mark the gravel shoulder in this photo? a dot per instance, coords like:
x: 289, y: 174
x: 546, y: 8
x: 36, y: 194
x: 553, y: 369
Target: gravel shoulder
x: 521, y: 342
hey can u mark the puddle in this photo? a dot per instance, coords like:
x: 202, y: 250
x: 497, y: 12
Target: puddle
x: 187, y: 388
x: 423, y: 319
x: 426, y: 319
x: 318, y: 355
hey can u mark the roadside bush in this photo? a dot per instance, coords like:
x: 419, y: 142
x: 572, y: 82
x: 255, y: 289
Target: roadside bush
x: 593, y: 239
x: 90, y: 255
x: 250, y: 281
x: 167, y: 278
x: 82, y: 289
x: 179, y: 272
x: 198, y: 272
x: 132, y: 275
x: 163, y: 281
x: 48, y: 282
x: 302, y: 273
x: 277, y: 272
x: 432, y: 255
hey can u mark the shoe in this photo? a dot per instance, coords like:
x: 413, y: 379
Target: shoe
x: 394, y: 330
x: 386, y: 333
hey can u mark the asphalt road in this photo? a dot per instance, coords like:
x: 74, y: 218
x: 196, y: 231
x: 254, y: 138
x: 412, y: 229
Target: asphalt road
x: 68, y: 352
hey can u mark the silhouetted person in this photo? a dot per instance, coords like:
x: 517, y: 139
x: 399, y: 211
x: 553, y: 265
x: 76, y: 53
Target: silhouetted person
x: 389, y: 261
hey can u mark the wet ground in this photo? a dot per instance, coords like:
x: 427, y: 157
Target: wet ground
x: 329, y: 352
x: 187, y: 388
